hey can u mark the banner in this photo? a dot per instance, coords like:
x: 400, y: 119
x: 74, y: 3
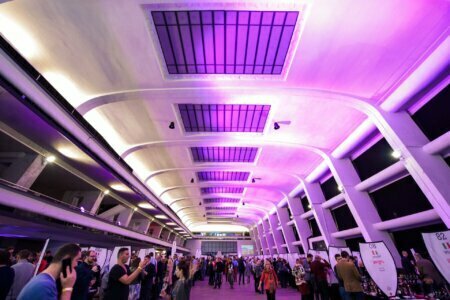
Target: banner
x: 332, y: 251
x: 438, y: 246
x: 322, y: 254
x: 101, y: 255
x: 380, y: 265
x: 113, y: 259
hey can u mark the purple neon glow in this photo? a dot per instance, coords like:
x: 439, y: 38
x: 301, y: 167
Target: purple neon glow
x: 218, y: 213
x: 222, y: 190
x: 220, y: 200
x: 223, y: 176
x: 224, y: 154
x: 225, y: 42
x: 223, y: 118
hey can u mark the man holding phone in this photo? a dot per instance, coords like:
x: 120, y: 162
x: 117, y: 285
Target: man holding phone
x: 43, y: 286
x: 120, y: 276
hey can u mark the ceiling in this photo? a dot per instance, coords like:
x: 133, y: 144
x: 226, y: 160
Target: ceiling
x: 107, y: 60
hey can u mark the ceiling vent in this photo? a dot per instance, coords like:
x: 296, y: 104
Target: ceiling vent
x: 222, y: 190
x: 224, y: 117
x: 221, y: 200
x: 224, y: 154
x: 225, y: 42
x: 229, y: 208
x: 222, y: 176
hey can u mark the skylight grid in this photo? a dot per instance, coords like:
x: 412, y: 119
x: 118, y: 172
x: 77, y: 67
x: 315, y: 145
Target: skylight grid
x: 221, y: 200
x: 221, y: 208
x: 222, y: 190
x: 222, y: 176
x: 219, y: 213
x: 225, y: 42
x: 224, y: 154
x: 224, y: 117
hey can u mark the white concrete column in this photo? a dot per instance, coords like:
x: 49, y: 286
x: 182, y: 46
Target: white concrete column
x: 430, y: 172
x: 323, y: 216
x: 269, y: 238
x: 125, y: 217
x: 273, y: 222
x: 142, y: 225
x: 255, y: 237
x: 302, y: 225
x: 360, y: 204
x: 110, y: 213
x: 25, y: 169
x: 89, y: 200
x: 263, y: 239
x: 287, y: 230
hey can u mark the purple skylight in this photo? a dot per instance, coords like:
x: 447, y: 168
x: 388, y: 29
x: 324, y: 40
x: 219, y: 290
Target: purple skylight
x: 223, y: 176
x: 224, y: 42
x: 224, y: 154
x: 220, y: 200
x: 221, y: 208
x: 223, y: 118
x: 222, y: 190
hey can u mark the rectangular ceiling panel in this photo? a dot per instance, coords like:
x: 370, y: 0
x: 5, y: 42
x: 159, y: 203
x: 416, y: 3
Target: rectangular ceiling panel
x: 220, y: 200
x: 222, y: 190
x: 222, y: 176
x: 223, y: 117
x: 224, y: 154
x: 225, y: 42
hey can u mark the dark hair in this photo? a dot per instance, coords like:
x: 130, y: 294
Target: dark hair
x: 344, y: 254
x: 147, y: 256
x: 309, y: 255
x: 121, y: 250
x: 48, y: 251
x: 337, y: 255
x: 151, y: 254
x: 4, y: 258
x: 183, y: 266
x: 24, y: 254
x: 70, y: 250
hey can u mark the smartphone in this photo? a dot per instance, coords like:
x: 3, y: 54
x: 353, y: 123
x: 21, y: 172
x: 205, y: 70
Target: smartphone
x: 66, y: 262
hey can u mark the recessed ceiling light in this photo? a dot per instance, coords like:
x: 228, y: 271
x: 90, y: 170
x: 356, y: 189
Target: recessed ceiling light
x: 178, y: 228
x: 171, y: 223
x: 146, y: 205
x: 50, y: 158
x: 106, y: 192
x: 396, y: 154
x: 160, y: 217
x: 120, y: 187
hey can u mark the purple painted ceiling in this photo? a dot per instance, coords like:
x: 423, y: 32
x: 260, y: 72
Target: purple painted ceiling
x: 223, y: 176
x: 220, y: 213
x: 221, y: 208
x: 224, y: 42
x: 223, y: 118
x: 224, y: 154
x: 220, y: 200
x: 222, y: 190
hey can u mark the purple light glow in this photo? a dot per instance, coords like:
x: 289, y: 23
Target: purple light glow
x: 221, y: 200
x: 222, y: 190
x: 224, y: 42
x: 223, y: 176
x: 224, y: 154
x: 223, y: 118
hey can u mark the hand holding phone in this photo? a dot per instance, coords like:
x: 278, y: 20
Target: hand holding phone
x: 66, y: 263
x: 70, y: 277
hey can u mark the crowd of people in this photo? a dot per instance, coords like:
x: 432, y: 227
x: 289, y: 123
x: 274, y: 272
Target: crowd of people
x: 74, y: 274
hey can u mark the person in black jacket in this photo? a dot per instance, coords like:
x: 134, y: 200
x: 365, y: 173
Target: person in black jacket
x: 161, y: 268
x: 241, y: 270
x: 148, y: 275
x: 219, y: 268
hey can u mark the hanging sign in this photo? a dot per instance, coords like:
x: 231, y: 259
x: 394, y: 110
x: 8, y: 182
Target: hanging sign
x: 101, y: 255
x: 322, y: 254
x: 380, y: 265
x: 332, y: 251
x: 174, y: 248
x: 438, y: 246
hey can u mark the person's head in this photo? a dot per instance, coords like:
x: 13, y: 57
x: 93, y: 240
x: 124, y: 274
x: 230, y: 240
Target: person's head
x: 309, y: 257
x: 11, y: 250
x: 351, y: 258
x: 404, y: 253
x: 337, y: 257
x: 150, y: 255
x: 317, y: 258
x: 417, y: 256
x: 91, y: 257
x: 182, y: 270
x: 123, y: 255
x: 4, y: 258
x: 344, y: 254
x: 72, y: 251
x: 267, y: 265
x: 23, y: 254
x: 48, y: 253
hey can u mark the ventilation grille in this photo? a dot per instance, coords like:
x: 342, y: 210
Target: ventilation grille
x: 224, y: 154
x: 224, y: 42
x: 211, y: 213
x: 221, y: 200
x: 223, y: 176
x: 223, y: 117
x: 222, y: 208
x: 222, y: 190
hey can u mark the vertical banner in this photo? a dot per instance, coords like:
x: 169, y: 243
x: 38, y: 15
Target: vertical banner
x: 101, y: 255
x: 438, y: 246
x: 322, y: 254
x: 174, y: 248
x: 380, y: 265
x: 332, y: 251
x: 113, y: 259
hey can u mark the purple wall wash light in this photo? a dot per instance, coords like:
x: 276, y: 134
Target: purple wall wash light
x: 224, y: 154
x: 222, y: 176
x: 223, y: 118
x: 225, y: 42
x: 222, y: 190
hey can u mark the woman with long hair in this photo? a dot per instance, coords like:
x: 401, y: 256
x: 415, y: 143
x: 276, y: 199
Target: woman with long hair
x: 182, y: 287
x: 269, y: 279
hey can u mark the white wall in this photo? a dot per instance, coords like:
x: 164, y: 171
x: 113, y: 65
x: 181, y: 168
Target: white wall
x: 194, y: 244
